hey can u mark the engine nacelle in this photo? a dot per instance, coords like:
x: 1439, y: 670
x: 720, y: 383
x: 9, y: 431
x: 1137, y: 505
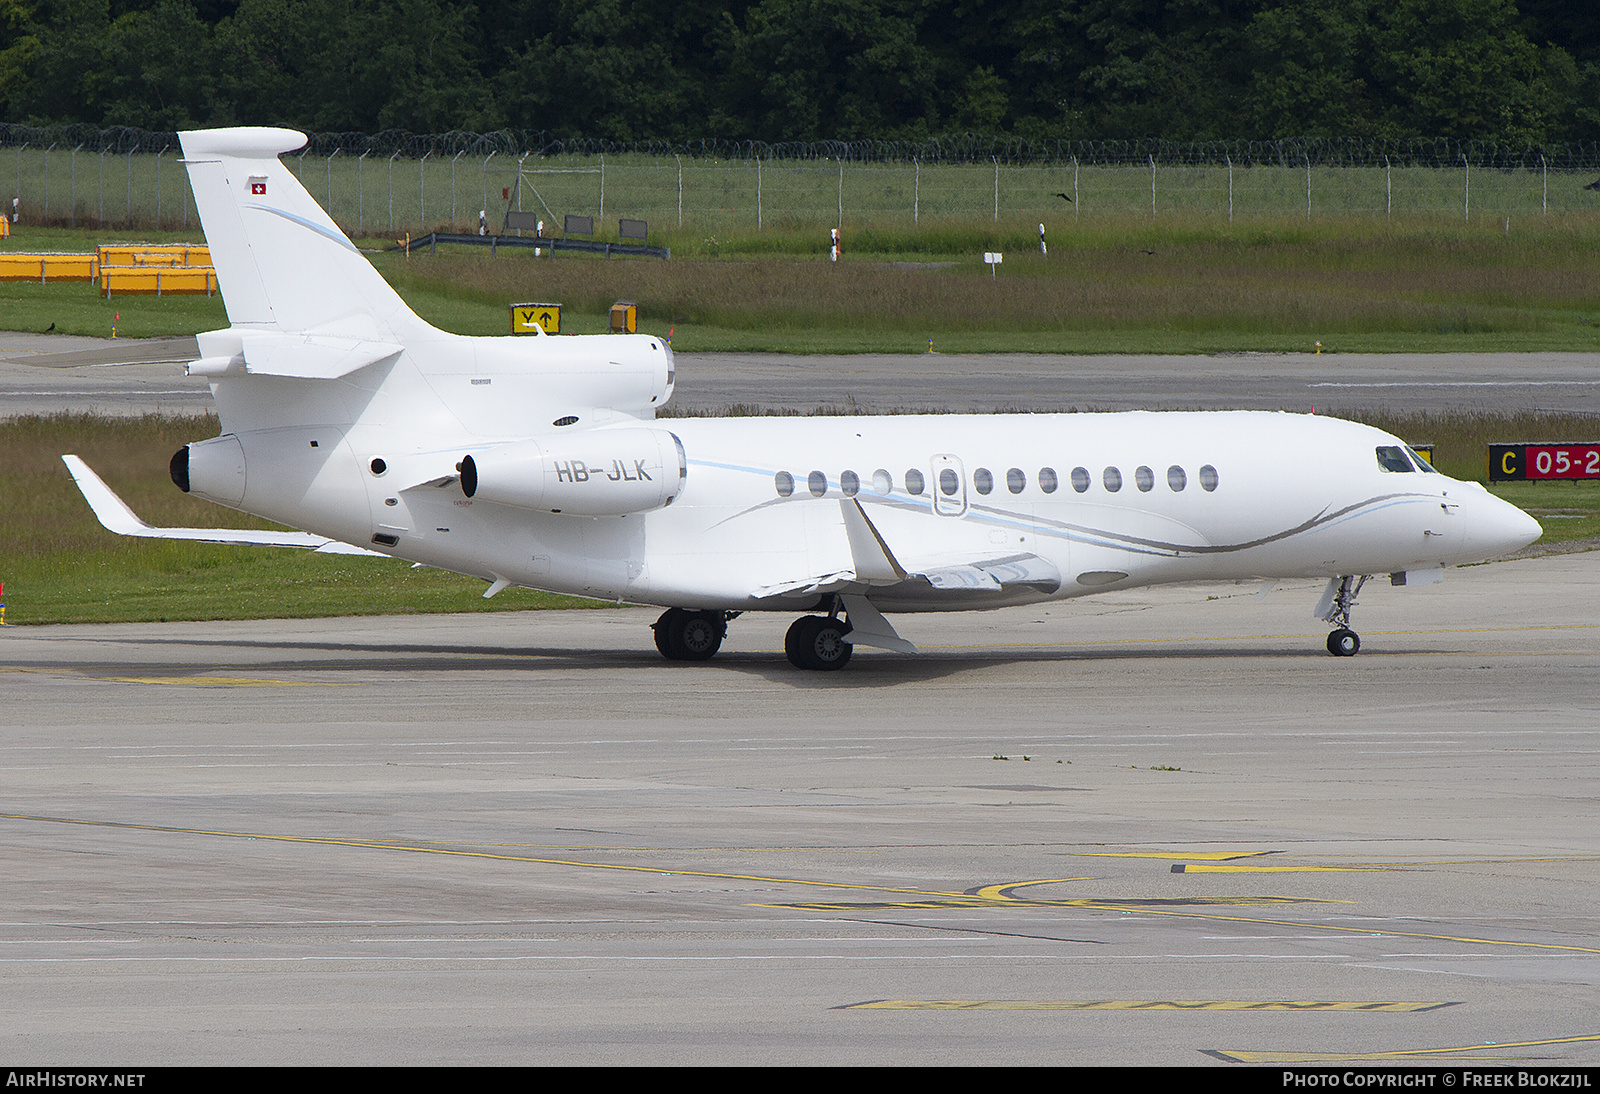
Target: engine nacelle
x: 212, y: 469
x: 594, y: 473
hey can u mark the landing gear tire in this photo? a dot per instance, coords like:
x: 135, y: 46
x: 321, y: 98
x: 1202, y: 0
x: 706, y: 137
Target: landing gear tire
x: 1344, y: 642
x: 682, y: 635
x: 817, y: 642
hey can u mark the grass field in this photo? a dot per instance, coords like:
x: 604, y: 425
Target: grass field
x: 1176, y: 285
x: 59, y: 566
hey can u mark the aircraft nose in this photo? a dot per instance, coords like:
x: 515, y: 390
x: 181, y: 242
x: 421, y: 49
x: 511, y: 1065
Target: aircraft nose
x: 1498, y: 528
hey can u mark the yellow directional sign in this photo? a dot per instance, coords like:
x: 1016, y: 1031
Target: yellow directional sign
x: 527, y: 318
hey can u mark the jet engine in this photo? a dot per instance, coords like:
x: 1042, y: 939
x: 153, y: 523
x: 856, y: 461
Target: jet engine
x: 596, y: 473
x: 212, y: 469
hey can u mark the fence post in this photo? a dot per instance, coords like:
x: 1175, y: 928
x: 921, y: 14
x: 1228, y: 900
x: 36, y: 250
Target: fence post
x: 1308, y: 188
x: 422, y: 198
x: 72, y: 188
x: 1074, y: 187
x: 1466, y: 188
x: 841, y: 193
x: 329, y: 206
x: 159, y: 154
x: 1152, y: 186
x: 602, y: 185
x: 758, y: 192
x: 916, y: 192
x: 127, y: 210
x: 391, y: 190
x: 47, y: 152
x: 1544, y: 178
x: 18, y: 192
x: 1230, y: 188
x: 679, y: 160
x: 996, y: 191
x: 485, y: 206
x: 459, y: 154
x: 100, y: 209
x: 361, y: 194
x: 1388, y: 191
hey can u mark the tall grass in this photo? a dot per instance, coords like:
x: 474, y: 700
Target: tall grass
x: 1283, y: 278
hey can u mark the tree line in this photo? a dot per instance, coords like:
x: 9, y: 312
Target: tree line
x: 806, y: 70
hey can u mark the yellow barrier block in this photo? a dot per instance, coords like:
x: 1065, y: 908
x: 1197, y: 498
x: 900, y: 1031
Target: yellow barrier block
x: 156, y: 280
x: 48, y: 267
x: 152, y: 254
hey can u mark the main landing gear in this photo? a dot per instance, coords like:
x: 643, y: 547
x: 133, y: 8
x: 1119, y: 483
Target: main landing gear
x: 814, y: 641
x: 683, y: 635
x: 1337, y: 601
x: 817, y: 642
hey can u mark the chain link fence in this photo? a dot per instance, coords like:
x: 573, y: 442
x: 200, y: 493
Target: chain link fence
x: 392, y: 182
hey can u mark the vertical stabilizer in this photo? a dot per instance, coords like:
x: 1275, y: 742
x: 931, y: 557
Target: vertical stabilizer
x: 282, y: 263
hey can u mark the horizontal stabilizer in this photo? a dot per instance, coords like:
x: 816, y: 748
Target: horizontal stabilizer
x: 114, y: 514
x: 314, y: 357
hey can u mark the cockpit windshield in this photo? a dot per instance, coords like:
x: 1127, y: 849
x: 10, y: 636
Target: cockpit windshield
x: 1392, y: 457
x: 1400, y: 457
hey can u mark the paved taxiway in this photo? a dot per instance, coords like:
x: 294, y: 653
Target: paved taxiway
x: 41, y: 375
x: 526, y: 838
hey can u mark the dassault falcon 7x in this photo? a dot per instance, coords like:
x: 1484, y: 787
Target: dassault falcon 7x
x: 539, y: 461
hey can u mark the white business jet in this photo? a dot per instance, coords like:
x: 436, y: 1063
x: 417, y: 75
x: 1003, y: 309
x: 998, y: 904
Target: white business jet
x: 538, y: 461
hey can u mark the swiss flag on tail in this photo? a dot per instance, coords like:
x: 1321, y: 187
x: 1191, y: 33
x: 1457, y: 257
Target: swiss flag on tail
x: 258, y: 187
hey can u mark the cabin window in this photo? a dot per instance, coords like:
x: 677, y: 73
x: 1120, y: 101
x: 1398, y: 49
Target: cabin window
x: 850, y: 483
x: 914, y: 482
x: 983, y: 480
x: 1208, y: 478
x: 882, y: 483
x: 817, y: 483
x: 1391, y: 457
x: 1080, y: 479
x: 1176, y: 479
x: 1047, y: 480
x: 1144, y: 479
x: 1016, y: 480
x: 784, y: 482
x: 949, y: 483
x: 1112, y: 479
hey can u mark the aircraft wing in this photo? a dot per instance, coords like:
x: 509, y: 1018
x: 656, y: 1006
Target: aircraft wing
x: 879, y: 569
x: 115, y: 515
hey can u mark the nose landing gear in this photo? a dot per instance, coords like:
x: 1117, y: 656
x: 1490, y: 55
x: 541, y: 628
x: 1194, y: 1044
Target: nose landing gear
x: 1337, y: 600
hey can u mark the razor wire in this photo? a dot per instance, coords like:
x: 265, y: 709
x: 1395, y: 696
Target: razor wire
x: 955, y: 149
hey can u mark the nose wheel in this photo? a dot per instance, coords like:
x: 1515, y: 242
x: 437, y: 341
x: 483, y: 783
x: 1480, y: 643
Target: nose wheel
x: 1344, y: 642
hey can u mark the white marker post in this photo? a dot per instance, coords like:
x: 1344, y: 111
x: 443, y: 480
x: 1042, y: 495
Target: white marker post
x: 833, y: 250
x: 1042, y: 248
x: 993, y: 258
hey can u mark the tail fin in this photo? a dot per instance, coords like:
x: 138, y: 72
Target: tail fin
x: 282, y: 263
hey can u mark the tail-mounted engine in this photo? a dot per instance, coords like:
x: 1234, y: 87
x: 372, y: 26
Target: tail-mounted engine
x: 212, y: 469
x: 597, y: 473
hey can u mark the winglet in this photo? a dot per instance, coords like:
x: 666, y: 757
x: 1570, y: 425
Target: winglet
x: 112, y: 512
